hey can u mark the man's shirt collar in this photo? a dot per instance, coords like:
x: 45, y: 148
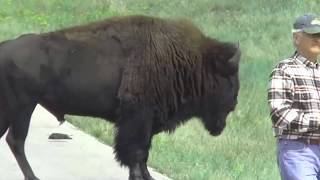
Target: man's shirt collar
x: 305, y: 61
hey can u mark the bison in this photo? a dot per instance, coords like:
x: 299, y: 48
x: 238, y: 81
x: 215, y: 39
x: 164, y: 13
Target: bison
x: 145, y: 74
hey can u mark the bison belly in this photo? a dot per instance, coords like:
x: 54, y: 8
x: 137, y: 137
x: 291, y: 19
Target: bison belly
x: 86, y: 89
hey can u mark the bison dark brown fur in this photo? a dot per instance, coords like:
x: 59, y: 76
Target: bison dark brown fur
x: 145, y: 74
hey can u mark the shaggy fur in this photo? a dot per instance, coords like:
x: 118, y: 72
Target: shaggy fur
x: 145, y: 74
x: 168, y: 69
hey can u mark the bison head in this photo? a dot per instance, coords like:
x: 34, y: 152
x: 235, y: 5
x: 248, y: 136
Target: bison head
x: 222, y: 69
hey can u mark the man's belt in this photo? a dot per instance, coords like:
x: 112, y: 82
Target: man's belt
x: 310, y: 141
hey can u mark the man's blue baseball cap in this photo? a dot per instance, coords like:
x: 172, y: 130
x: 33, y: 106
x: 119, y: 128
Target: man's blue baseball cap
x: 308, y: 23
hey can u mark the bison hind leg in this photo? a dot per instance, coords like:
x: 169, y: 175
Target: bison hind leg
x: 4, y: 125
x: 4, y: 119
x: 133, y: 139
x: 18, y: 130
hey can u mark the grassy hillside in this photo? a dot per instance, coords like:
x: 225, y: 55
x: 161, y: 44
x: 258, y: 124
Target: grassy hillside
x: 246, y: 149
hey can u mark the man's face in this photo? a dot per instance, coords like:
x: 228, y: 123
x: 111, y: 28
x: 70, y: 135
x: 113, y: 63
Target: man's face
x: 308, y: 44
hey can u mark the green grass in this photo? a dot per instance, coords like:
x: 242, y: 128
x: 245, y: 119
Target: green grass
x: 246, y: 149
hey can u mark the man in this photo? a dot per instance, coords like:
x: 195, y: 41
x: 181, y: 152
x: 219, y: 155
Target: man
x: 294, y: 98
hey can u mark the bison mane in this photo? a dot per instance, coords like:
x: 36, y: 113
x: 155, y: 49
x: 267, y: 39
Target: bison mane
x: 168, y: 60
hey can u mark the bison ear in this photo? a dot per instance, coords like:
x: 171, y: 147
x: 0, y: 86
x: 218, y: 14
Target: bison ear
x: 233, y: 62
x: 223, y: 57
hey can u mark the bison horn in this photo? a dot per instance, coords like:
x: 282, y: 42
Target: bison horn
x: 234, y: 61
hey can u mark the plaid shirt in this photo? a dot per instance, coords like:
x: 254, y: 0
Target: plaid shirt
x: 294, y: 98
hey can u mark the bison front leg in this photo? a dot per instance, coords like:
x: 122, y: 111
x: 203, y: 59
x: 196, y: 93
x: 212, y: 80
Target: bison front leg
x: 133, y: 140
x: 145, y: 171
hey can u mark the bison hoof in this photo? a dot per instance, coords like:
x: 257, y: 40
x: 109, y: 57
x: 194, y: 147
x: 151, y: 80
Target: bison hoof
x: 31, y: 178
x: 136, y: 178
x: 140, y: 178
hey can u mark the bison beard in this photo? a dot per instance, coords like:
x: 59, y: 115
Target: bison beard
x: 145, y: 74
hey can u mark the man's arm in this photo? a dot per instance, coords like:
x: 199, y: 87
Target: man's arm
x: 280, y: 99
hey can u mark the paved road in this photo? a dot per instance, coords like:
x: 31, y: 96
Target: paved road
x: 81, y: 158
